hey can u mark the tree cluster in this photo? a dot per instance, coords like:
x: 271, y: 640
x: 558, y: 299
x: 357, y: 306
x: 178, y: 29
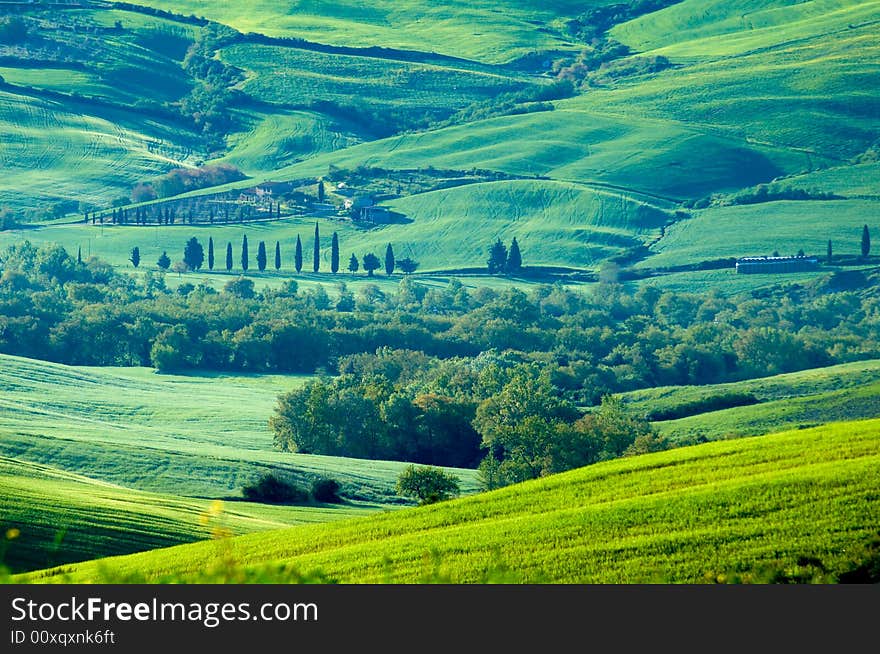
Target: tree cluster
x: 502, y: 260
x: 55, y: 307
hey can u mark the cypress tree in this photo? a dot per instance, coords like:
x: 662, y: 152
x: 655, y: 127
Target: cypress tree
x: 353, y: 264
x: 316, y: 255
x: 514, y: 258
x: 497, y: 257
x: 261, y: 256
x: 298, y: 255
x: 277, y: 254
x: 830, y: 256
x: 866, y: 242
x: 334, y: 254
x: 244, y: 253
x: 228, y: 256
x: 79, y: 254
x: 210, y: 253
x: 135, y: 257
x: 321, y: 191
x: 389, y: 260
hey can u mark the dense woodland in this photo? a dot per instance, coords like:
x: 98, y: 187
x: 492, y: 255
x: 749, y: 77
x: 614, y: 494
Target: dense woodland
x: 441, y: 375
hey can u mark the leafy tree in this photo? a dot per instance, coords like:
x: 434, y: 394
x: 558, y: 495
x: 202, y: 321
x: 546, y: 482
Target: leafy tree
x: 389, y: 260
x: 866, y: 242
x: 298, y: 255
x: 497, y: 257
x: 241, y: 287
x: 193, y: 254
x: 371, y: 263
x: 278, y: 252
x: 514, y: 258
x: 210, y: 253
x: 334, y: 254
x: 180, y: 267
x: 520, y: 423
x: 134, y: 257
x: 173, y: 350
x: 261, y: 256
x: 428, y: 484
x: 353, y: 264
x: 164, y: 262
x: 407, y: 266
x: 316, y: 253
x: 228, y: 256
x: 244, y: 253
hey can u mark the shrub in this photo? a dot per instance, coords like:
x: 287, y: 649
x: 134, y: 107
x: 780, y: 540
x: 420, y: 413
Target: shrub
x: 428, y: 484
x: 326, y: 490
x: 273, y: 490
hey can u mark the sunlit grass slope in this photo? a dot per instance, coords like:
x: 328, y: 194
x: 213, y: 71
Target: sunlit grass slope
x: 668, y: 158
x: 807, y: 398
x: 204, y: 436
x: 62, y: 517
x: 53, y: 151
x: 488, y: 31
x: 96, y: 139
x: 774, y: 415
x: 798, y: 74
x: 761, y: 229
x: 683, y: 515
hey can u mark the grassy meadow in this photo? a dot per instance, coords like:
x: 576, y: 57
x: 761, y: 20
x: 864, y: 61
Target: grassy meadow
x: 63, y: 517
x: 698, y: 514
x: 482, y: 31
x: 793, y: 400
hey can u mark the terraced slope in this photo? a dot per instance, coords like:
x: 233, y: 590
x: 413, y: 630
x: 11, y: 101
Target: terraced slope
x: 686, y: 515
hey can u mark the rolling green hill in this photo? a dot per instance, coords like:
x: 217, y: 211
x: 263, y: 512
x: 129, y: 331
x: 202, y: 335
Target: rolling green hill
x: 689, y: 515
x: 754, y: 91
x: 200, y: 436
x: 63, y: 517
x: 554, y: 221
x: 482, y: 30
x: 800, y: 399
x: 801, y: 412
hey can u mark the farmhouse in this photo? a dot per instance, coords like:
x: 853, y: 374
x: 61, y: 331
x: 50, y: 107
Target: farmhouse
x: 755, y: 265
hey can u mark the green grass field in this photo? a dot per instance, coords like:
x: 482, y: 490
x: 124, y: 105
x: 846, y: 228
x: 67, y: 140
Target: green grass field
x: 685, y: 516
x: 482, y: 30
x: 807, y: 398
x: 761, y: 229
x: 200, y: 436
x: 63, y: 517
x: 809, y: 410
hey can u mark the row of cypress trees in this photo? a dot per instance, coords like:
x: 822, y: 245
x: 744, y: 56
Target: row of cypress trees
x: 194, y: 257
